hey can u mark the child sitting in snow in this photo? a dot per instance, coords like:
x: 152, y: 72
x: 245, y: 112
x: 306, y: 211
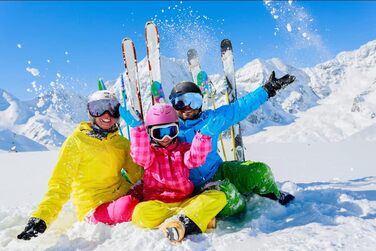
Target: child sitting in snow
x: 166, y: 161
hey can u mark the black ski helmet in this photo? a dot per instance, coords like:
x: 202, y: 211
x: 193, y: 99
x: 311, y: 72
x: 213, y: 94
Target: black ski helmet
x: 184, y: 87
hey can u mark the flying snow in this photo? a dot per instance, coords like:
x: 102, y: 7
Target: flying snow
x: 33, y: 71
x: 288, y: 27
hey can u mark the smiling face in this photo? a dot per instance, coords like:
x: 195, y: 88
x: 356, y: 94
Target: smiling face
x: 165, y: 141
x: 188, y: 113
x: 106, y: 121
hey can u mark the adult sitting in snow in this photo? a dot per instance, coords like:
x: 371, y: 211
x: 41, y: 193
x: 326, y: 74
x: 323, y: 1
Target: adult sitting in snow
x: 231, y: 177
x: 89, y: 168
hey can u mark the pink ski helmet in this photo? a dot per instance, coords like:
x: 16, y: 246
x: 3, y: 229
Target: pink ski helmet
x: 160, y: 114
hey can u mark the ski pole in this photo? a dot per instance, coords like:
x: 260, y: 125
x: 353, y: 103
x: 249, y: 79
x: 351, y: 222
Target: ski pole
x: 214, y: 107
x: 124, y: 95
x: 232, y: 133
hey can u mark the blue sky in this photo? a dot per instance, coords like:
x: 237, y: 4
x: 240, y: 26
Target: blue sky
x: 79, y: 42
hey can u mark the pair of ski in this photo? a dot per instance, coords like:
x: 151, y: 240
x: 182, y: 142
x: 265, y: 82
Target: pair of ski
x: 153, y: 55
x: 201, y: 79
x: 131, y: 69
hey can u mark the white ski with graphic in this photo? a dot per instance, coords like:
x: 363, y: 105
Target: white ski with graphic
x: 132, y: 86
x: 231, y: 95
x: 193, y: 63
x: 195, y: 69
x: 154, y: 62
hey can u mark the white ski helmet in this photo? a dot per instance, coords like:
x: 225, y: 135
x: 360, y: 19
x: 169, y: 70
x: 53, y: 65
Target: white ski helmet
x: 102, y: 95
x: 102, y: 101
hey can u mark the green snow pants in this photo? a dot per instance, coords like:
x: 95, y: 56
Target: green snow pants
x: 242, y: 178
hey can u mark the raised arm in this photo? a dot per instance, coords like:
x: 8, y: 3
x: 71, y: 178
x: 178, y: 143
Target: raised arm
x: 140, y: 147
x: 240, y: 109
x: 200, y: 148
x: 201, y: 144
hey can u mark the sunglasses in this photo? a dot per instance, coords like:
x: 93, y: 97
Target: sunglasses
x: 188, y: 100
x: 161, y: 131
x: 99, y: 107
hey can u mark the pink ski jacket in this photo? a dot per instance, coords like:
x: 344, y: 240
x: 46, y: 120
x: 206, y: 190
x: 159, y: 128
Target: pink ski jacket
x: 166, y: 169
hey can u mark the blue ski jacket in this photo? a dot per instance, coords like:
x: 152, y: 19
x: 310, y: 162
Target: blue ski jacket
x: 234, y: 113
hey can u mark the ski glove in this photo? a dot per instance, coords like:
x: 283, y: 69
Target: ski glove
x: 214, y: 126
x: 129, y: 117
x: 34, y: 227
x: 274, y: 84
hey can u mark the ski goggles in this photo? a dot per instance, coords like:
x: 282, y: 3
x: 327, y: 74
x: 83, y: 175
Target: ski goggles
x: 161, y: 131
x: 99, y: 107
x: 188, y: 100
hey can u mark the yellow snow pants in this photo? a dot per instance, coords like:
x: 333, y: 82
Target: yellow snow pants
x: 200, y: 209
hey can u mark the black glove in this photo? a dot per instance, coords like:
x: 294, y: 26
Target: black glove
x: 34, y: 227
x: 275, y: 84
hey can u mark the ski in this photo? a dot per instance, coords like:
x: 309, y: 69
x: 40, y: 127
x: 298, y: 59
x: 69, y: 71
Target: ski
x: 198, y: 76
x: 154, y: 62
x: 201, y: 79
x: 231, y: 95
x: 124, y: 97
x: 209, y: 91
x: 193, y: 63
x: 101, y: 85
x: 132, y: 85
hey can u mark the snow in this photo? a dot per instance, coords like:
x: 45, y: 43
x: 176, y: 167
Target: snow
x: 318, y: 135
x: 293, y: 22
x: 33, y: 71
x: 335, y: 206
x: 288, y: 27
x: 306, y: 111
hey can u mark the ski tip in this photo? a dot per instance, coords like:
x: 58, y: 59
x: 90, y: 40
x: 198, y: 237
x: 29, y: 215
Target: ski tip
x: 127, y: 39
x: 101, y: 85
x: 150, y: 23
x: 226, y: 44
x: 191, y: 53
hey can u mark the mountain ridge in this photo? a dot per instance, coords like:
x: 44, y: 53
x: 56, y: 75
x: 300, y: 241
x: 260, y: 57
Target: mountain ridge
x: 323, y: 104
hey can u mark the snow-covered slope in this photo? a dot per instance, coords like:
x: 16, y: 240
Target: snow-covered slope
x: 329, y: 102
x: 347, y: 87
x: 14, y: 142
x: 46, y: 120
x: 335, y: 207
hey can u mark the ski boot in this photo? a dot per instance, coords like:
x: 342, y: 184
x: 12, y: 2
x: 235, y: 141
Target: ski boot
x: 284, y: 198
x: 176, y: 228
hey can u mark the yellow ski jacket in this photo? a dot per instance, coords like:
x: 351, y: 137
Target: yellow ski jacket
x: 89, y: 169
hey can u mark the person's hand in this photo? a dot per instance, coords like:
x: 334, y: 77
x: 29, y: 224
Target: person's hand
x: 274, y: 84
x: 130, y: 118
x: 137, y: 190
x: 213, y: 126
x: 34, y: 227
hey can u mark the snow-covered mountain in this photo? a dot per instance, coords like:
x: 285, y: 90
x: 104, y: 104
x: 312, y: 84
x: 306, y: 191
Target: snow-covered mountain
x: 329, y: 102
x: 39, y: 124
x: 346, y: 86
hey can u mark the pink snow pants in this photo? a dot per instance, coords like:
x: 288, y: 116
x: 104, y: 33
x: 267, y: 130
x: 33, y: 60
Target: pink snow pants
x: 114, y: 212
